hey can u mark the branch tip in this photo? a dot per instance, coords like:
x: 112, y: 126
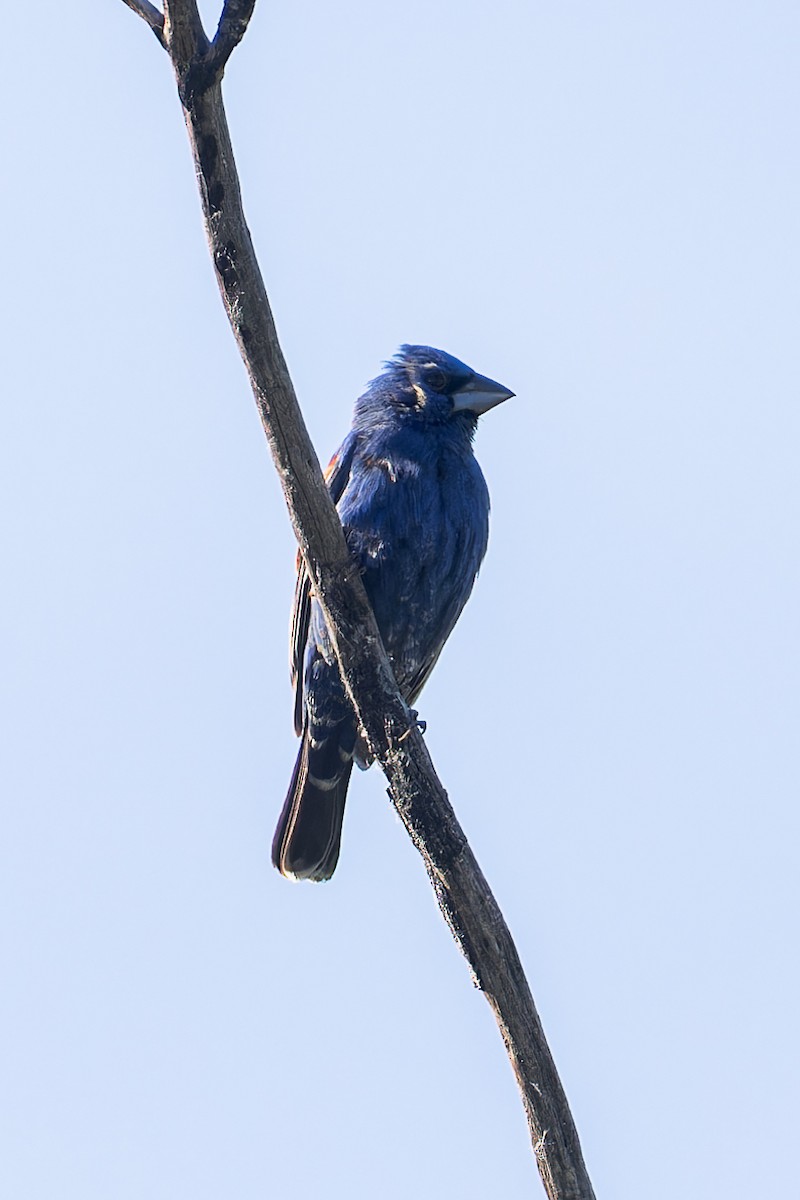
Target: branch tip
x: 232, y: 27
x: 151, y: 15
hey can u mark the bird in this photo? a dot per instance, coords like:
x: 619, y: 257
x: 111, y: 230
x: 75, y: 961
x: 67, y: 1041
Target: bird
x: 414, y: 507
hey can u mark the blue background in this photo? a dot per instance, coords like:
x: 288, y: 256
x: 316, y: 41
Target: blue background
x: 597, y: 204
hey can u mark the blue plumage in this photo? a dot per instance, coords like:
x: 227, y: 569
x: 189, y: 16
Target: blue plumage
x: 415, y: 509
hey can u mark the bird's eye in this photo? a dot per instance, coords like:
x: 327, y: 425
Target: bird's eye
x: 436, y: 379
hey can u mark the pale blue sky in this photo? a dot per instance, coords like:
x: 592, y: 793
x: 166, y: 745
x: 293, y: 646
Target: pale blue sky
x: 597, y: 204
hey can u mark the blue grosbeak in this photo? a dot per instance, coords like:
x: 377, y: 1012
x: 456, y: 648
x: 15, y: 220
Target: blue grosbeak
x: 415, y: 511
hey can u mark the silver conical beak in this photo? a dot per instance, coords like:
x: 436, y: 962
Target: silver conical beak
x: 479, y: 395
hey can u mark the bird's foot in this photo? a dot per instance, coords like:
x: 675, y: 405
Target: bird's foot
x: 413, y: 724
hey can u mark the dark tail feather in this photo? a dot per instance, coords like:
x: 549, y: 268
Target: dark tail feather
x: 306, y: 842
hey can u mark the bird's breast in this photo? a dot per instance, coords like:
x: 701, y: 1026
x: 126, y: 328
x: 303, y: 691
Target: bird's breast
x: 418, y: 528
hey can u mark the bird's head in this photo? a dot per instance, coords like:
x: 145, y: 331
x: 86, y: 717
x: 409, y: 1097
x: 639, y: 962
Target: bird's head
x: 421, y: 383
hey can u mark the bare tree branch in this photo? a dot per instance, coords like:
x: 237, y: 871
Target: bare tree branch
x: 415, y: 790
x: 149, y: 13
x: 232, y: 27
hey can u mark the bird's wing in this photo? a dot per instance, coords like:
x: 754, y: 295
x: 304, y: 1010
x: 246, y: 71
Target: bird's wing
x: 421, y: 676
x: 470, y: 549
x: 417, y: 681
x: 336, y: 477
